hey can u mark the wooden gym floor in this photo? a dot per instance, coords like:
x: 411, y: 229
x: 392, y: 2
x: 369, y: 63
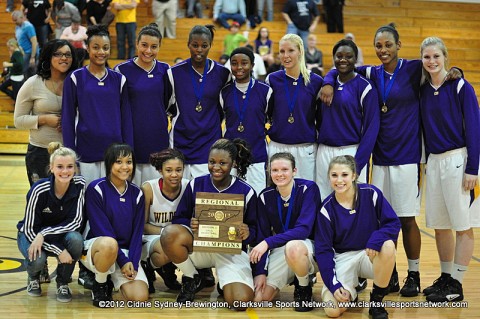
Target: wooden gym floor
x: 14, y: 300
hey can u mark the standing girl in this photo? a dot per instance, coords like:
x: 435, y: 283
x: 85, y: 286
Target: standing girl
x: 53, y: 216
x: 245, y: 104
x: 233, y: 271
x: 286, y: 216
x: 148, y: 95
x: 451, y: 122
x: 113, y: 237
x: 162, y: 196
x: 293, y: 106
x: 15, y: 70
x: 95, y: 109
x: 196, y: 121
x: 356, y: 104
x: 355, y: 233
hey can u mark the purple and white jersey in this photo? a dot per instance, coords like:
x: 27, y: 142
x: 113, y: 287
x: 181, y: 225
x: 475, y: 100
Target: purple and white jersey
x: 149, y: 94
x: 451, y: 120
x: 254, y: 116
x: 195, y: 129
x: 95, y: 113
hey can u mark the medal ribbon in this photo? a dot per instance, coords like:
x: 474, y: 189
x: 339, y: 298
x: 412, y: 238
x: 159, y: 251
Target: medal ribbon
x: 385, y: 93
x: 241, y: 112
x: 291, y: 102
x: 198, y: 89
x: 289, y: 211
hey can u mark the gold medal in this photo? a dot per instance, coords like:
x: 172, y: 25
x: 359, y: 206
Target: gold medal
x: 384, y: 108
x: 198, y: 108
x: 291, y: 119
x: 240, y: 128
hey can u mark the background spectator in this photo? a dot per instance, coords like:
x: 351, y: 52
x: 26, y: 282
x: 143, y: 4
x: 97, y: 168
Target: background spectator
x: 96, y: 10
x: 126, y: 26
x: 63, y: 14
x: 234, y: 39
x: 38, y: 13
x: 15, y: 77
x: 350, y: 36
x: 334, y: 15
x: 260, y: 6
x: 27, y: 39
x: 165, y: 14
x: 313, y: 56
x: 302, y: 18
x: 76, y: 34
x: 224, y: 10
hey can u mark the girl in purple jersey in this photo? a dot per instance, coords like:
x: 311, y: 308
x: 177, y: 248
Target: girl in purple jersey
x: 398, y: 148
x: 286, y: 216
x: 233, y: 271
x: 451, y: 123
x: 196, y: 84
x: 292, y: 107
x: 354, y: 237
x: 147, y: 84
x: 245, y: 102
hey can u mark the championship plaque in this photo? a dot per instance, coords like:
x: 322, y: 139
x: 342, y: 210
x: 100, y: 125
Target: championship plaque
x: 219, y: 219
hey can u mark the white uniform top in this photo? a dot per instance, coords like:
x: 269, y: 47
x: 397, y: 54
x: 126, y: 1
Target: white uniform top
x: 163, y: 208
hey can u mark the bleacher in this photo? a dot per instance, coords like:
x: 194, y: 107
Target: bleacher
x: 456, y: 23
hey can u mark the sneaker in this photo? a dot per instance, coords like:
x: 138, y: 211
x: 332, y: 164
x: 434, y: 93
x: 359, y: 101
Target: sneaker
x: 411, y: 288
x: 302, y: 295
x: 393, y: 285
x: 33, y: 287
x: 167, y: 272
x: 190, y: 286
x: 378, y: 313
x: 101, y: 292
x: 437, y: 284
x: 64, y: 294
x: 86, y: 278
x: 44, y: 276
x: 362, y: 284
x: 207, y: 276
x: 219, y: 290
x: 150, y: 274
x: 451, y: 291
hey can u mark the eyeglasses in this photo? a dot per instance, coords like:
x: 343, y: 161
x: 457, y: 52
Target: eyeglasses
x: 67, y: 55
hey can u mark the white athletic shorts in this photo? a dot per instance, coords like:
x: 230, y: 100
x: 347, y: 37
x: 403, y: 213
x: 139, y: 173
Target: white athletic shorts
x: 92, y: 171
x: 147, y: 247
x: 348, y: 267
x: 325, y: 154
x: 447, y: 204
x: 230, y: 268
x: 256, y: 176
x: 190, y: 171
x: 304, y: 154
x: 143, y: 173
x: 400, y: 186
x: 115, y: 271
x: 279, y: 274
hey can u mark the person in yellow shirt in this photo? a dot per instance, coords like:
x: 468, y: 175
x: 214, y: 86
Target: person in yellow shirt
x: 126, y: 26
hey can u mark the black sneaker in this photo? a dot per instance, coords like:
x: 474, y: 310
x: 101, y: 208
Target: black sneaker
x: 150, y: 274
x: 207, y: 276
x: 190, y: 286
x: 44, y: 276
x: 378, y: 313
x: 451, y: 291
x: 64, y: 294
x: 101, y: 292
x: 411, y: 288
x: 362, y: 284
x: 167, y: 272
x: 302, y: 295
x: 33, y: 287
x: 437, y: 284
x: 393, y: 285
x: 86, y: 278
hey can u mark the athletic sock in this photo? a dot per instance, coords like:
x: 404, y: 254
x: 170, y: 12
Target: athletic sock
x: 303, y: 281
x: 446, y: 266
x: 187, y: 268
x: 458, y: 272
x: 101, y: 277
x: 413, y: 264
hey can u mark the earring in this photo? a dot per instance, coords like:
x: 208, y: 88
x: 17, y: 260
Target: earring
x: 44, y: 68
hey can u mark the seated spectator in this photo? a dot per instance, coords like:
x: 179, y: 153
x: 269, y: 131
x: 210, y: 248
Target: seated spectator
x: 234, y: 39
x: 14, y: 77
x: 76, y: 34
x: 313, y: 56
x: 62, y: 14
x: 224, y: 10
x: 223, y: 59
x: 264, y: 46
x: 350, y: 36
x: 276, y: 65
x: 177, y: 60
x: 96, y: 10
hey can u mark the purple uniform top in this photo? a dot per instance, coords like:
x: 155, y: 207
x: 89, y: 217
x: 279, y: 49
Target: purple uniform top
x: 339, y: 230
x: 149, y: 94
x: 194, y: 132
x: 254, y: 117
x: 303, y: 129
x: 353, y: 118
x: 186, y: 207
x: 451, y: 120
x: 306, y: 203
x: 120, y: 216
x: 95, y: 113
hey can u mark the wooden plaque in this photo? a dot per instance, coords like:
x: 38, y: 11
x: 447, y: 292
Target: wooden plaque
x: 219, y: 217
